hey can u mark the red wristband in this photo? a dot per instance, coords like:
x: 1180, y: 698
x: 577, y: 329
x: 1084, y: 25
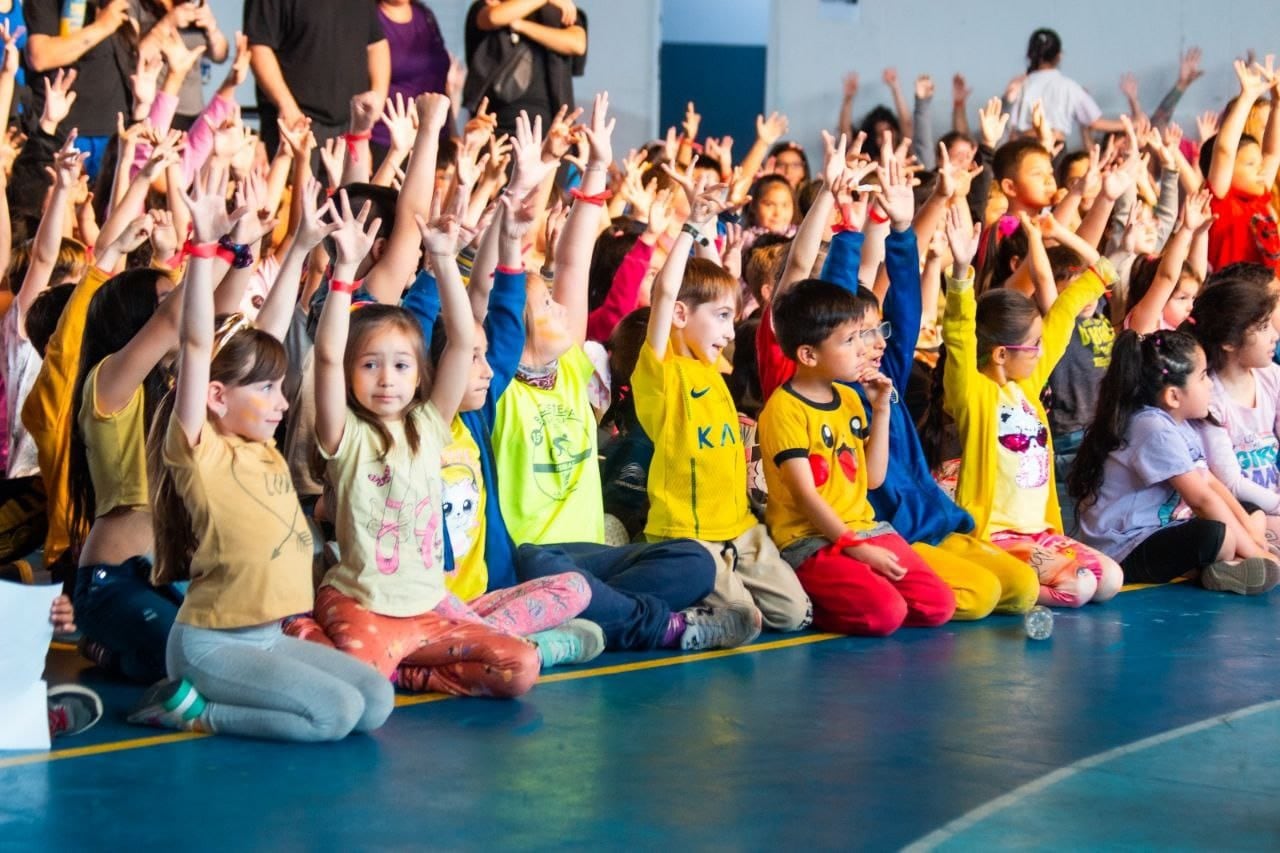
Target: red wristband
x: 353, y: 138
x: 848, y: 539
x: 876, y: 216
x: 598, y: 199
x: 200, y: 250
x: 336, y: 286
x: 842, y: 227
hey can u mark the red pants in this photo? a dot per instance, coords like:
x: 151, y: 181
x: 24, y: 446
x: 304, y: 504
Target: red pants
x: 849, y: 597
x: 428, y: 652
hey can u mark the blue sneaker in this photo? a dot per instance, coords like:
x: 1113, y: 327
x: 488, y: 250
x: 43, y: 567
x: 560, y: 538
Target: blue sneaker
x: 576, y: 641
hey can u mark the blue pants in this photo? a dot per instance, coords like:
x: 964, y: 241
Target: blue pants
x: 634, y: 588
x: 118, y: 607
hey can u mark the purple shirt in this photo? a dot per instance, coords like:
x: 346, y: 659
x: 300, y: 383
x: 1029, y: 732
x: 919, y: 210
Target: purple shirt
x: 419, y: 59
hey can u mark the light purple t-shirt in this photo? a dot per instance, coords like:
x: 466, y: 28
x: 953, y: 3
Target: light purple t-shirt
x: 1135, y: 499
x: 419, y: 59
x: 1241, y: 449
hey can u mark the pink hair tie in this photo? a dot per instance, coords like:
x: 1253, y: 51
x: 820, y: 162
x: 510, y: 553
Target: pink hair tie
x: 1007, y: 225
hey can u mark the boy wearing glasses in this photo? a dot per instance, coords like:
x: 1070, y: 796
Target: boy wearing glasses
x: 822, y: 454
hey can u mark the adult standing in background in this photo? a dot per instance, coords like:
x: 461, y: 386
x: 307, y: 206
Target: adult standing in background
x: 1066, y: 103
x: 310, y: 57
x: 95, y: 39
x: 523, y: 55
x: 419, y: 58
x: 194, y: 22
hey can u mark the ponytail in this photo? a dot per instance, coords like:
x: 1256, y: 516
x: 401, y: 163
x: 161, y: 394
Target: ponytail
x: 1141, y: 368
x: 1044, y: 48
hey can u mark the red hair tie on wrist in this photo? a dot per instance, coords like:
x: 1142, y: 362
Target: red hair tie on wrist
x: 353, y: 138
x: 876, y: 216
x: 200, y: 250
x: 337, y: 286
x: 598, y: 199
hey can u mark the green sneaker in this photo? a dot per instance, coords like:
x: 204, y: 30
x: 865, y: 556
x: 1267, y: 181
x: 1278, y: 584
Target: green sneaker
x: 169, y: 705
x: 576, y: 641
x: 1253, y: 576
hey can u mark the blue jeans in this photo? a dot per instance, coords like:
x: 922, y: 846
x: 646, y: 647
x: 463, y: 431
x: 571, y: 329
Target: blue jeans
x: 634, y: 588
x: 1065, y: 448
x: 118, y: 607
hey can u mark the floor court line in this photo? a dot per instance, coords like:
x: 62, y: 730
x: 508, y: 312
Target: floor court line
x: 971, y: 819
x: 403, y: 701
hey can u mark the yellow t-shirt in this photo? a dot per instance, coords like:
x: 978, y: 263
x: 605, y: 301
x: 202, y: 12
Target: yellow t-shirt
x: 698, y: 476
x: 47, y: 412
x: 115, y: 445
x: 464, y: 503
x: 544, y: 443
x: 1022, y: 458
x: 388, y: 515
x: 252, y: 563
x: 831, y: 436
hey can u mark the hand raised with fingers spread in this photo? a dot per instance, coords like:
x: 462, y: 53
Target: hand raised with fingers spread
x: 1206, y: 125
x: 1197, y: 213
x: 10, y: 37
x: 560, y: 134
x: 896, y: 198
x: 58, y: 99
x: 526, y: 149
x: 833, y: 159
x: 67, y: 163
x: 599, y: 132
x: 297, y: 136
x: 354, y: 236
x: 661, y: 214
x: 318, y: 220
x: 1189, y: 69
x: 207, y: 202
x: 770, y: 130
x: 962, y: 237
x: 251, y: 194
x: 518, y: 216
x: 960, y: 90
x: 332, y: 156
x: 144, y: 80
x: 992, y: 121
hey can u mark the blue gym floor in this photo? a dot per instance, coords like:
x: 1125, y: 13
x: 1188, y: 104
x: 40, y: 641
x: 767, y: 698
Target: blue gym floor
x: 1152, y: 721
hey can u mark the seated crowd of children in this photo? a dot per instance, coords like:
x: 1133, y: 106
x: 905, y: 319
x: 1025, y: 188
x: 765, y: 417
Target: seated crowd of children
x: 498, y: 404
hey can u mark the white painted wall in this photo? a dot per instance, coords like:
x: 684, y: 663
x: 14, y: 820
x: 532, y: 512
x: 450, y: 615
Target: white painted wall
x: 987, y: 39
x: 622, y: 57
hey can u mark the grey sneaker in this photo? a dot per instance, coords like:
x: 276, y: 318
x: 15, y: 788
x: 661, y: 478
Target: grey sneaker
x: 719, y: 627
x: 576, y: 641
x: 1253, y: 576
x: 72, y: 709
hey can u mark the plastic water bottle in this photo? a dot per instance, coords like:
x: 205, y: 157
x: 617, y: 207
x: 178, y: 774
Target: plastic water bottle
x: 1039, y: 622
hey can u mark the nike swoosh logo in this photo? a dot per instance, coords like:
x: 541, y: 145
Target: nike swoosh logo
x: 695, y: 393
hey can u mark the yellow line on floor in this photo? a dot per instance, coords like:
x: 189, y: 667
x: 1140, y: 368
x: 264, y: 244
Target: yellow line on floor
x: 637, y: 666
x: 99, y: 749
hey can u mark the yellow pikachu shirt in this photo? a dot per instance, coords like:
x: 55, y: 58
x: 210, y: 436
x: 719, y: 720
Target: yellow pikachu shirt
x: 831, y: 436
x: 698, y: 477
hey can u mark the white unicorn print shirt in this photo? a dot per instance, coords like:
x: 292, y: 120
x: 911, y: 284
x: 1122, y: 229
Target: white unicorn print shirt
x: 1021, y: 499
x: 388, y: 514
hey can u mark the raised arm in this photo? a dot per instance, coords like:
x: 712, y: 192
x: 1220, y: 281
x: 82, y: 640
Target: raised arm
x: 48, y: 239
x: 961, y: 311
x: 890, y: 77
x: 210, y: 221
x: 440, y: 240
x: 353, y: 239
x: 395, y: 269
x: 808, y: 240
x: 1254, y: 83
x: 573, y: 254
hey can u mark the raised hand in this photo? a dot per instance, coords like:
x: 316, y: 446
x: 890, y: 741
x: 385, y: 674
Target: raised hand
x: 720, y: 151
x: 440, y: 234
x: 312, y: 227
x: 207, y: 202
x: 137, y: 232
x: 456, y: 79
x: 1013, y: 88
x: 962, y: 237
x: 890, y: 77
x: 992, y: 120
x: 332, y: 155
x: 58, y: 99
x: 560, y: 134
x: 179, y: 59
x: 557, y: 216
x: 661, y: 215
x: 1207, y: 125
x: 599, y: 132
x: 849, y: 89
x: 353, y: 238
x: 526, y: 150
x: 1197, y: 213
x: 896, y: 197
x: 833, y: 162
x: 960, y: 90
x: 67, y: 163
x: 481, y: 126
x: 252, y: 195
x: 239, y: 71
x: 692, y: 122
x: 518, y: 216
x: 167, y: 151
x: 145, y: 79
x: 924, y: 87
x: 297, y: 136
x: 114, y: 14
x: 164, y: 234
x: 1254, y: 79
x: 1189, y: 69
x: 10, y: 39
x: 366, y: 107
x: 433, y: 111
x: 770, y: 130
x: 1129, y: 86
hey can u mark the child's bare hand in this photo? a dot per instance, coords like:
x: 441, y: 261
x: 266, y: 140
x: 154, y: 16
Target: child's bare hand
x: 849, y: 86
x: 62, y: 615
x: 312, y: 227
x: 882, y: 561
x: 207, y: 201
x: 660, y: 213
x: 878, y: 387
x: 366, y: 107
x: 1197, y: 213
x: 354, y: 236
x: 692, y: 122
x: 599, y: 133
x: 1189, y: 69
x: 992, y: 120
x: 962, y: 237
x: 770, y: 130
x: 960, y: 90
x: 924, y: 87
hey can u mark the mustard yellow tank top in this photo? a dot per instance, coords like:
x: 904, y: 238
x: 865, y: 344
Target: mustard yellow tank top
x: 116, y: 446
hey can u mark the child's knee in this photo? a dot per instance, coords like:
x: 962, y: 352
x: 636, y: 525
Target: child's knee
x: 1019, y: 590
x: 379, y: 701
x: 976, y: 597
x: 882, y: 620
x: 1111, y: 578
x: 1076, y: 588
x: 790, y: 613
x: 337, y: 713
x: 523, y: 668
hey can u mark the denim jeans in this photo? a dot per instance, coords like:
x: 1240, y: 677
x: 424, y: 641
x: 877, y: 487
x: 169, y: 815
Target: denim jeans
x: 634, y: 588
x: 117, y: 607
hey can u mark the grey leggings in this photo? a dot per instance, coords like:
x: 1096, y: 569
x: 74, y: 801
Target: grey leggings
x: 259, y: 683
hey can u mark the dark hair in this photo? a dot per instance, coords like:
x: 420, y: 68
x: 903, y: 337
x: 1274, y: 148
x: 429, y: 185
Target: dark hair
x: 117, y: 312
x: 71, y: 258
x: 367, y: 321
x: 1065, y: 263
x: 613, y: 244
x: 624, y: 345
x: 744, y: 381
x: 1009, y: 253
x: 1223, y: 315
x: 1241, y: 270
x: 1141, y: 276
x: 43, y: 315
x: 880, y: 114
x: 807, y: 193
x: 951, y: 137
x: 1008, y: 157
x: 1063, y: 167
x: 808, y: 312
x: 1141, y: 368
x: 757, y: 195
x: 1206, y: 151
x: 1044, y: 48
x: 247, y: 357
x: 1004, y: 318
x: 789, y: 145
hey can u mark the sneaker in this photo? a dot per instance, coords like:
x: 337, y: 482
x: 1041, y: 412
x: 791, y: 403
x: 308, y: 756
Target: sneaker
x: 576, y: 641
x: 719, y: 627
x: 169, y: 705
x: 1253, y: 576
x: 72, y: 709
